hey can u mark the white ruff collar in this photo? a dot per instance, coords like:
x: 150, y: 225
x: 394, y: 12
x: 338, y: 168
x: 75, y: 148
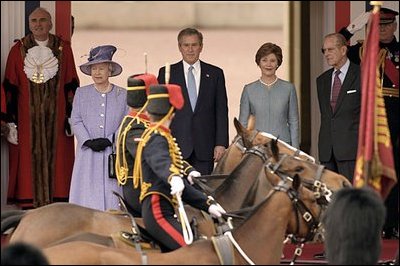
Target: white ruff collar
x: 40, y: 64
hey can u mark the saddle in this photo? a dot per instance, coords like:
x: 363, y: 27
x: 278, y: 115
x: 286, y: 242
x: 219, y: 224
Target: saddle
x: 140, y: 238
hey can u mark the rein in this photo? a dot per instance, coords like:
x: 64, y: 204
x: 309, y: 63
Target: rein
x: 320, y: 189
x: 256, y: 150
x: 298, y: 207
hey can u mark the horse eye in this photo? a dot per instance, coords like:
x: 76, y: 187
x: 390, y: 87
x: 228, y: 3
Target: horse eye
x: 299, y: 168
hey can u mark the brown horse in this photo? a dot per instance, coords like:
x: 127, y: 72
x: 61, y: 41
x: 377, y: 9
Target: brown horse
x: 77, y: 218
x: 232, y: 195
x: 62, y: 220
x: 245, y: 139
x: 258, y: 240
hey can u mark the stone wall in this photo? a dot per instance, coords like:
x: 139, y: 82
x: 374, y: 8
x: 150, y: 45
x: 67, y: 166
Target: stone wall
x: 174, y: 14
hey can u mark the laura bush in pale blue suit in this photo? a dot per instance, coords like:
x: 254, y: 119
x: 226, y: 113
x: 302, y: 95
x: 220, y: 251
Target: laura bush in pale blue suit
x: 271, y: 100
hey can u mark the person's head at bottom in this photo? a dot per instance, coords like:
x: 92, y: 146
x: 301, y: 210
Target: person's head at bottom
x: 353, y: 224
x: 22, y: 254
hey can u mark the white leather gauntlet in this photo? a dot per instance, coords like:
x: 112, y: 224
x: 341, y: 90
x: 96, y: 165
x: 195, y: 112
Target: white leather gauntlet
x: 177, y: 185
x: 358, y: 23
x: 13, y: 135
x: 215, y: 210
x: 191, y: 175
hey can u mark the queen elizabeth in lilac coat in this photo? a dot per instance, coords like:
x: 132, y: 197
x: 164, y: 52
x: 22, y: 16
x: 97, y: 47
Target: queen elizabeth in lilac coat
x: 97, y: 112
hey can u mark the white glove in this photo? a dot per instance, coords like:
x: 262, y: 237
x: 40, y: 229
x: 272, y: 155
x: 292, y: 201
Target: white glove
x: 177, y: 185
x: 358, y: 23
x: 13, y: 135
x: 216, y: 210
x: 191, y: 175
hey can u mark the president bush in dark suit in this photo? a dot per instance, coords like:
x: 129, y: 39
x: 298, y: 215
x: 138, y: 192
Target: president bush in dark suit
x: 201, y: 126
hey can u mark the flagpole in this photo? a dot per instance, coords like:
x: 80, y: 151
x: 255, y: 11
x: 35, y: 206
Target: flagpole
x: 374, y: 163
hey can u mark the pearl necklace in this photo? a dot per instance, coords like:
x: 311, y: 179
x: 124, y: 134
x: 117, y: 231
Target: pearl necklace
x: 108, y: 88
x: 270, y: 84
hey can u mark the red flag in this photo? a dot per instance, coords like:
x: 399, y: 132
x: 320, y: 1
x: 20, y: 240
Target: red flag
x: 375, y: 164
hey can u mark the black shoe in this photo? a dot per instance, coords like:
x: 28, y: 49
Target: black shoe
x: 320, y: 256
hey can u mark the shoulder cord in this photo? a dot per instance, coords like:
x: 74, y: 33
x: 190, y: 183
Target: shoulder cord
x: 137, y: 168
x: 123, y: 171
x: 138, y: 177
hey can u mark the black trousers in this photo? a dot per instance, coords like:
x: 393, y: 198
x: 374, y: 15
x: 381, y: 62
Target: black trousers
x: 160, y: 221
x: 204, y: 167
x: 345, y: 168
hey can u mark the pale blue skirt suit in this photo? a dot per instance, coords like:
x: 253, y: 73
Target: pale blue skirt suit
x: 275, y: 109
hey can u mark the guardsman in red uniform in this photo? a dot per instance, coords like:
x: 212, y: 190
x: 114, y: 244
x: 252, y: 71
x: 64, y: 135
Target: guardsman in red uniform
x: 389, y: 66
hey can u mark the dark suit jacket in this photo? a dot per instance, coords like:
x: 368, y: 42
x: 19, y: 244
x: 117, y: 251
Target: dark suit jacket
x: 339, y: 129
x: 207, y: 126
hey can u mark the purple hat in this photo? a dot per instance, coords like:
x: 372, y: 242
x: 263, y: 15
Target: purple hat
x: 102, y: 54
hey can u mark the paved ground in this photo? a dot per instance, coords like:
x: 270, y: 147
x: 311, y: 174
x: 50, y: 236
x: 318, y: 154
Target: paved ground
x: 232, y: 50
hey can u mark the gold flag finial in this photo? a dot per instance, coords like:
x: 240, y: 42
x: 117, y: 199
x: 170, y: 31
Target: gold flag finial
x: 377, y: 5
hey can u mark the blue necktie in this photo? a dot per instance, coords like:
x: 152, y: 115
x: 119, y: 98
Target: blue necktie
x: 192, y: 88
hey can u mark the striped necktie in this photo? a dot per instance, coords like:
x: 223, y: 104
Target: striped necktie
x: 337, y: 84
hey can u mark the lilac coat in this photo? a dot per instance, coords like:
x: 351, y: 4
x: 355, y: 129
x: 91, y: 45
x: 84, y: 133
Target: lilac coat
x: 95, y: 115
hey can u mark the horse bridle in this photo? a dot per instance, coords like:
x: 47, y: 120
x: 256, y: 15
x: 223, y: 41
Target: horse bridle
x: 299, y: 208
x: 256, y: 150
x: 238, y: 141
x: 321, y: 192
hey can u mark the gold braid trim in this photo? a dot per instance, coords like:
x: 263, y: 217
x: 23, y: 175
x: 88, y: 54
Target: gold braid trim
x: 156, y: 96
x: 144, y: 194
x: 177, y: 163
x: 136, y: 88
x: 122, y: 171
x: 137, y: 169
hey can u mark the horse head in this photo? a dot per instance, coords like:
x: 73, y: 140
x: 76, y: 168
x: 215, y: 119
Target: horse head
x: 315, y: 176
x: 249, y: 137
x: 289, y: 208
x: 304, y: 220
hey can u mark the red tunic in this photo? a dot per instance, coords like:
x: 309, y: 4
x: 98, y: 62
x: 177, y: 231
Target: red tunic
x: 41, y: 164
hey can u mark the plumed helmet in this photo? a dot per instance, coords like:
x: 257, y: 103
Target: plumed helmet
x: 164, y: 96
x: 138, y: 88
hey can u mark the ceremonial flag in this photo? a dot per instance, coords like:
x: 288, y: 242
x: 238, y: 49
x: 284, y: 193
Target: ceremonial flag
x: 375, y: 164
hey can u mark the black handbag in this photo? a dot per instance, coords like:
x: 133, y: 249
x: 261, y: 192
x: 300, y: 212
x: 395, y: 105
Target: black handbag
x: 111, y: 162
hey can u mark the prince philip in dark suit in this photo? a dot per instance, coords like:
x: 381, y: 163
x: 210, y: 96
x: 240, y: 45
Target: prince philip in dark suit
x: 201, y: 126
x: 339, y: 96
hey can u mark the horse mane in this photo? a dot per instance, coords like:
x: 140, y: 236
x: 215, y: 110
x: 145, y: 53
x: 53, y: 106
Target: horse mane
x: 274, y: 149
x: 231, y: 178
